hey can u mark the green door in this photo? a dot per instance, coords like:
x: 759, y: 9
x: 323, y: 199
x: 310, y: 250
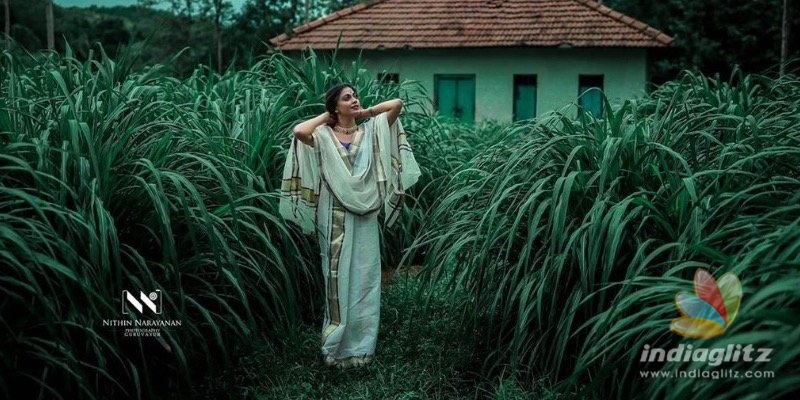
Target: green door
x: 454, y: 96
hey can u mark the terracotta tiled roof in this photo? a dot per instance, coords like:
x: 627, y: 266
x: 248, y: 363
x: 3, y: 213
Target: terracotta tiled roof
x: 395, y: 24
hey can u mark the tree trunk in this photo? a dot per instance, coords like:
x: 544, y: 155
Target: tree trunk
x: 784, y: 37
x: 7, y: 25
x: 51, y: 42
x: 218, y: 32
x: 219, y: 50
x: 305, y: 13
x: 189, y: 9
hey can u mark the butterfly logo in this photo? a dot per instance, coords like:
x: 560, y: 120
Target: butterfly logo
x: 711, y: 310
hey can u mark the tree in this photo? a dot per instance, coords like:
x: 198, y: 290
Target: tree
x: 336, y: 5
x: 51, y: 42
x: 261, y: 20
x: 7, y: 25
x: 218, y: 10
x: 183, y: 8
x: 179, y: 28
x: 112, y: 34
x: 714, y: 36
x: 187, y: 9
x: 784, y: 37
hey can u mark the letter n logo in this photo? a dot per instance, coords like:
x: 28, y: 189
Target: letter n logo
x: 153, y: 301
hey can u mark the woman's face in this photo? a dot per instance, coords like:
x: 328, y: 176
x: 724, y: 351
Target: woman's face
x: 347, y: 104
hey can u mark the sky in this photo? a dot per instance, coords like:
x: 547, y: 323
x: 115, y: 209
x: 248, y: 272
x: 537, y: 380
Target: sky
x: 237, y: 4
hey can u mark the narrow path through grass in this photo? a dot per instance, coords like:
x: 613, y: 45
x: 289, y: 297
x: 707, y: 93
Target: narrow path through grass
x: 419, y: 356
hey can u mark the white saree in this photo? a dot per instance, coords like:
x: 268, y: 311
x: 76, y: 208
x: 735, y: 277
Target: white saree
x: 338, y: 193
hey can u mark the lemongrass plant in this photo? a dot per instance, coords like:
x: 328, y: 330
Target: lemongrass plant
x: 573, y: 236
x: 114, y: 179
x: 118, y: 179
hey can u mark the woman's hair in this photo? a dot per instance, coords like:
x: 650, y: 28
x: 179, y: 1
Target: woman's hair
x: 332, y: 95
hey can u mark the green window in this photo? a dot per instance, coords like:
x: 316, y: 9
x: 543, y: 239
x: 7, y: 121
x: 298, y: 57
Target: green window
x: 524, y: 97
x: 454, y: 96
x: 590, y: 94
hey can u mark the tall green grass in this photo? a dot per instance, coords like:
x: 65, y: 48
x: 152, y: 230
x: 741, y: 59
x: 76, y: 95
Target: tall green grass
x: 121, y: 179
x: 573, y: 236
x: 562, y: 242
x: 114, y: 179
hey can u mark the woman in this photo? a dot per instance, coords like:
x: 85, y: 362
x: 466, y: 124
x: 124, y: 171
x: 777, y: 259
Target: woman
x: 337, y: 176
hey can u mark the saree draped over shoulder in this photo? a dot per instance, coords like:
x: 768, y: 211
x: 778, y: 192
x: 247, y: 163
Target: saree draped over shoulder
x: 338, y: 193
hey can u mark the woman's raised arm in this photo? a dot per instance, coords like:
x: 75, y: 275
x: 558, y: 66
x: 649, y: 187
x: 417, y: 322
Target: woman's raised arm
x: 393, y: 107
x: 305, y: 129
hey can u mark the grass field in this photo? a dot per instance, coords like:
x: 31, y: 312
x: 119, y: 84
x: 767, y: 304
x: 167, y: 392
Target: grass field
x: 419, y: 357
x: 551, y: 249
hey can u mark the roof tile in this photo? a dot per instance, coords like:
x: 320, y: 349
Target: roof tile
x: 397, y: 24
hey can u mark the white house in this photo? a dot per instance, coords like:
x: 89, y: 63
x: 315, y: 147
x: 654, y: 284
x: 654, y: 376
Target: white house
x: 498, y: 59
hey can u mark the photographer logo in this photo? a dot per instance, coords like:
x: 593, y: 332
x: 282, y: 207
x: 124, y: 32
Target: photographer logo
x: 143, y: 310
x: 151, y: 301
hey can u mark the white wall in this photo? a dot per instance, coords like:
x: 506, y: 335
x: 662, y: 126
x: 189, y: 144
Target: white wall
x: 557, y: 73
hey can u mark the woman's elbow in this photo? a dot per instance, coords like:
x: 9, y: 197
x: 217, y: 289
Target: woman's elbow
x: 303, y: 136
x: 299, y: 132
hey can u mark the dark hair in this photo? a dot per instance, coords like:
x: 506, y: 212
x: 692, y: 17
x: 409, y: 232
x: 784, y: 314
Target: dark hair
x: 332, y: 95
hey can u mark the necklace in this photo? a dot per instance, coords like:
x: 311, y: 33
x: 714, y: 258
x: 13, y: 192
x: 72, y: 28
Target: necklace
x: 346, y: 131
